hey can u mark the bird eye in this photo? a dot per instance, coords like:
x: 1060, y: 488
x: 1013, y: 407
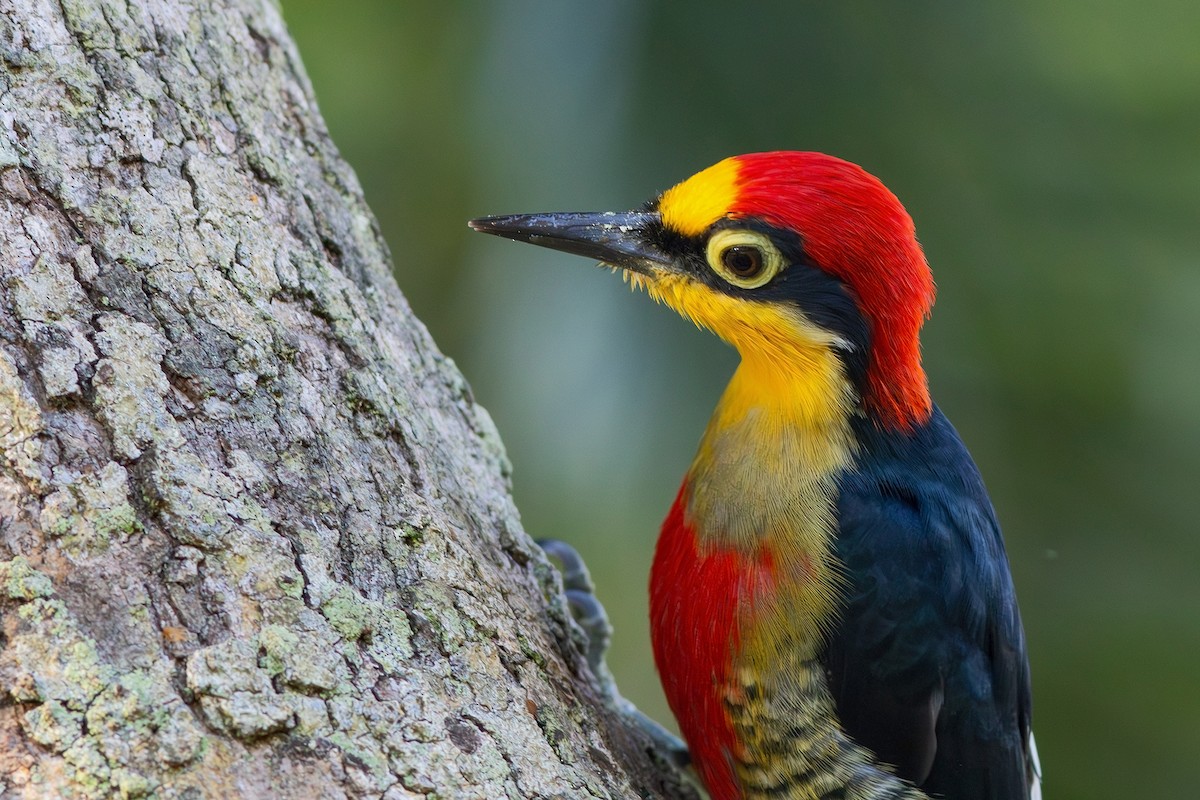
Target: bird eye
x: 747, y: 259
x: 742, y: 260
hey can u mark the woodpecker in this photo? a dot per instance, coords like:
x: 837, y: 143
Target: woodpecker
x: 832, y: 612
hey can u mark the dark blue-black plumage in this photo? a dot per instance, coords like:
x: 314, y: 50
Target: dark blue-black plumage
x: 928, y: 664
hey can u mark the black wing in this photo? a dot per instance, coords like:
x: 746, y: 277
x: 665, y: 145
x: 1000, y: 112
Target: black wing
x: 928, y: 665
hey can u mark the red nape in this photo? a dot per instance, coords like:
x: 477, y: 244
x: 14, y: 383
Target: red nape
x: 697, y: 603
x: 854, y: 228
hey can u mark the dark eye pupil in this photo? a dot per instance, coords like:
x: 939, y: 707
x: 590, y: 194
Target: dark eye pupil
x: 743, y: 260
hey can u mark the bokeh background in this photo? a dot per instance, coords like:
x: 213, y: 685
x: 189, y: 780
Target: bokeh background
x: 1050, y: 154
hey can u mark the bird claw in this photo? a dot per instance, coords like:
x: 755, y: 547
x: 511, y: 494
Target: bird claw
x: 574, y: 571
x: 588, y: 612
x: 590, y: 615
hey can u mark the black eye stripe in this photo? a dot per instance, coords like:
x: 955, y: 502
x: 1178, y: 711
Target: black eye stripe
x: 690, y: 250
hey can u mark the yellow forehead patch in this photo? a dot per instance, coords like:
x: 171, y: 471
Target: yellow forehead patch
x: 690, y: 207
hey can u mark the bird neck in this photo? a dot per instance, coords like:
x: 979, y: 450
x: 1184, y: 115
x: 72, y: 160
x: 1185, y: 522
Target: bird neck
x: 763, y: 486
x: 766, y: 466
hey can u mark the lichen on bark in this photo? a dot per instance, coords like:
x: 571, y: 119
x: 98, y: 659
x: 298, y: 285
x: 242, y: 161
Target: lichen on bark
x: 256, y: 538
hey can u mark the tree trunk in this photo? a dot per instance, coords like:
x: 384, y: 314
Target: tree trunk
x: 256, y: 538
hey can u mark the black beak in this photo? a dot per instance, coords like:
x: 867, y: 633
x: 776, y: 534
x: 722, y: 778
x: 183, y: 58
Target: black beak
x: 616, y: 238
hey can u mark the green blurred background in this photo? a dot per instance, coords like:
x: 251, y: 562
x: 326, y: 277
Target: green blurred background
x: 1050, y: 154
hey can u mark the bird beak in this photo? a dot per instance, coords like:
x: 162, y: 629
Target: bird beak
x: 615, y: 238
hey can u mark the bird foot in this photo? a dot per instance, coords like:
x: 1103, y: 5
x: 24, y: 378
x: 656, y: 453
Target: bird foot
x: 591, y: 617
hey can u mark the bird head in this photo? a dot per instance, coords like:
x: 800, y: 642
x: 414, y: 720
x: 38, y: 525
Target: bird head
x: 797, y: 259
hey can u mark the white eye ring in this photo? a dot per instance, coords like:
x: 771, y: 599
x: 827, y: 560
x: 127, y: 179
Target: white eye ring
x: 744, y: 258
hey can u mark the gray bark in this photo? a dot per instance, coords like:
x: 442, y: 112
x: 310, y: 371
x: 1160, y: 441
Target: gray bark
x: 256, y: 538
